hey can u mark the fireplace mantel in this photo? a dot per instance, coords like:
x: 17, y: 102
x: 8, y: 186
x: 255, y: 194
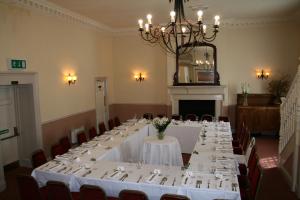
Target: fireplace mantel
x: 197, y: 93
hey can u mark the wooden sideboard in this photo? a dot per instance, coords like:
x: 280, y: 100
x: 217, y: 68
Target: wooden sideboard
x: 260, y: 115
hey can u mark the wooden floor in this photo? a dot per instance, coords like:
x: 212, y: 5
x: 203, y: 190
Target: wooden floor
x: 273, y: 185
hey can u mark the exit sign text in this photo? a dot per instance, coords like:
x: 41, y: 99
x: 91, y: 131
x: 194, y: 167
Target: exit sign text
x: 17, y: 64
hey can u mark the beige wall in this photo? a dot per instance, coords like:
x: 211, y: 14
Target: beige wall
x: 133, y: 55
x: 53, y: 46
x: 242, y: 50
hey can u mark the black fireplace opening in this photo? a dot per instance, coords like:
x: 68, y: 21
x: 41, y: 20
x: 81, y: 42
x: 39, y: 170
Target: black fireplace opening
x: 197, y: 107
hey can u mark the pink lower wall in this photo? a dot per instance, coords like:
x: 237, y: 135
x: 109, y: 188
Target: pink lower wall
x: 54, y: 130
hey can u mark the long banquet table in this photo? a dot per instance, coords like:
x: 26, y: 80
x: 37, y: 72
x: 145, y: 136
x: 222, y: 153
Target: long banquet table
x: 112, y: 161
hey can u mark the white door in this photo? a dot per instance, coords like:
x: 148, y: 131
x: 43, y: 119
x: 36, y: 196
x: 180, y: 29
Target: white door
x: 8, y: 125
x: 101, y: 102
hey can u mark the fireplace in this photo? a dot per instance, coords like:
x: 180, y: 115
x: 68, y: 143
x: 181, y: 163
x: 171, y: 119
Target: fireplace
x: 197, y: 107
x: 186, y: 99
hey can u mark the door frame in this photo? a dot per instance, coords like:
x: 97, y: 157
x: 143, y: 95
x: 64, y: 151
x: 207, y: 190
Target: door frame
x: 6, y: 78
x: 102, y: 78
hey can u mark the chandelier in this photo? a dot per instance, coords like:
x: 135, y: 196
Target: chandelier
x: 180, y: 35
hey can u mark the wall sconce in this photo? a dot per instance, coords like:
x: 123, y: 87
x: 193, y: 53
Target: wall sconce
x: 139, y: 77
x: 71, y: 79
x: 262, y: 74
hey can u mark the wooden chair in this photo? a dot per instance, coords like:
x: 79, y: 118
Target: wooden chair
x: 57, y: 150
x: 117, y: 121
x: 111, y: 124
x: 207, y: 117
x: 59, y: 191
x: 92, y: 133
x: 132, y: 195
x: 29, y: 189
x: 65, y: 143
x: 38, y: 158
x: 102, y: 128
x: 81, y: 138
x: 173, y: 197
x: 243, y: 167
x: 148, y: 116
x: 176, y: 117
x: 161, y: 115
x: 191, y: 117
x: 223, y: 119
x: 91, y: 192
x: 254, y: 182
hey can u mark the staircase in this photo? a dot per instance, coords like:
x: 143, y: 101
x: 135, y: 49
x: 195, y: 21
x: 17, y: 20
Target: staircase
x: 289, y: 142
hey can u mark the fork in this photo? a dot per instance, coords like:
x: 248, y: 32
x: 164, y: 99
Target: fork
x: 139, y: 178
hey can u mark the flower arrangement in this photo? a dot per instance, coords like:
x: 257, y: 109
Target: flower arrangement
x: 161, y: 124
x: 245, y: 91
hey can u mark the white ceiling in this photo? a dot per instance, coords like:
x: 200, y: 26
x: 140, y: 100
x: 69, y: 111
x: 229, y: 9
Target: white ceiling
x: 120, y: 14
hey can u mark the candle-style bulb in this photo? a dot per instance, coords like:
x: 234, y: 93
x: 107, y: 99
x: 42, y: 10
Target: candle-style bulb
x: 217, y: 20
x: 200, y: 14
x: 172, y: 14
x: 163, y: 29
x: 141, y: 23
x: 183, y: 29
x: 204, y: 28
x: 149, y: 17
x: 147, y: 28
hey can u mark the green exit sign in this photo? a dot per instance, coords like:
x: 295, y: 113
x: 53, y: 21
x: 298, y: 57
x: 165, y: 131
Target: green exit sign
x: 17, y: 64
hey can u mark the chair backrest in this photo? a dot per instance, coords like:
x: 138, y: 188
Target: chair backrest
x: 161, y: 115
x: 58, y: 191
x: 173, y: 197
x: 176, y: 117
x: 252, y: 156
x: 57, y: 150
x: 65, y: 143
x: 111, y: 124
x: 117, y: 121
x: 251, y: 165
x: 91, y: 192
x: 223, y: 118
x: 246, y: 139
x: 38, y: 158
x: 207, y: 117
x: 28, y: 188
x: 81, y: 138
x: 254, y: 181
x: 191, y: 117
x: 102, y: 128
x: 148, y: 116
x: 92, y: 133
x: 132, y: 195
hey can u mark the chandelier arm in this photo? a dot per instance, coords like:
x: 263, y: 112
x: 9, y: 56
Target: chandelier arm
x: 169, y: 47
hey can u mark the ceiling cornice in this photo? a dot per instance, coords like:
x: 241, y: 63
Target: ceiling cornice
x: 53, y: 9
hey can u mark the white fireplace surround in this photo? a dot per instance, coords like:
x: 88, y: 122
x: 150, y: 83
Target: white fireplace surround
x: 197, y: 93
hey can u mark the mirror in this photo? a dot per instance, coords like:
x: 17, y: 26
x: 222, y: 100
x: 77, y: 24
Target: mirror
x: 198, y: 66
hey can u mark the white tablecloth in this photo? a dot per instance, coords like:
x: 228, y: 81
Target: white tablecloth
x: 162, y: 152
x: 96, y: 162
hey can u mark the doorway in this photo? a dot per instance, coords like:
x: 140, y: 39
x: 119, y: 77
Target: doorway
x: 102, y: 112
x: 19, y: 117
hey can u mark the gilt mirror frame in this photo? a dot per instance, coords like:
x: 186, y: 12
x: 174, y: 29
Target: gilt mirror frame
x: 216, y: 80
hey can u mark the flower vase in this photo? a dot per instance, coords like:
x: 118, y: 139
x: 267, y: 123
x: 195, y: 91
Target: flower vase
x: 245, y: 100
x: 161, y: 135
